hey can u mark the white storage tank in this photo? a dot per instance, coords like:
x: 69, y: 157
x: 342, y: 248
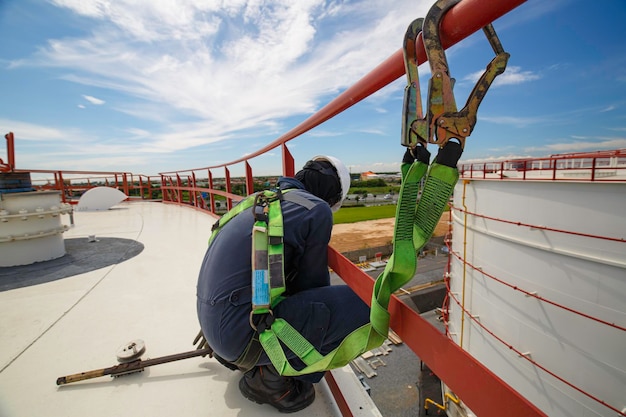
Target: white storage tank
x: 538, y: 278
x: 30, y: 227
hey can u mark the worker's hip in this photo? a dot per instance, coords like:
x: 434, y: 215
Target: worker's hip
x: 225, y: 322
x: 324, y: 316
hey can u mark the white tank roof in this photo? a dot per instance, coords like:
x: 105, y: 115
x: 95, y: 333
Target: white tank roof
x: 78, y: 324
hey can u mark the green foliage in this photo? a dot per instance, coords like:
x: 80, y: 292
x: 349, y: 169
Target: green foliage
x: 378, y: 182
x: 358, y: 191
x: 379, y: 191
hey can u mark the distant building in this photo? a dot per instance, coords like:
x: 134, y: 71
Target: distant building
x: 369, y: 175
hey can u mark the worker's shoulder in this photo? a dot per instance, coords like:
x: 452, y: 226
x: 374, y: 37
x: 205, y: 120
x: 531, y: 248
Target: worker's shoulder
x: 303, y: 198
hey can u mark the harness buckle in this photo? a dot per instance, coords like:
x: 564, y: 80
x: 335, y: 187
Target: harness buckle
x: 260, y: 208
x: 261, y: 205
x: 265, y: 323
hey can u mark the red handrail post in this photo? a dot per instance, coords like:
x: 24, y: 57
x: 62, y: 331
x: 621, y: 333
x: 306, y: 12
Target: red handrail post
x: 211, y: 195
x: 249, y: 179
x: 593, y: 168
x: 10, y: 150
x: 193, y: 190
x: 125, y: 184
x: 288, y: 162
x: 229, y: 201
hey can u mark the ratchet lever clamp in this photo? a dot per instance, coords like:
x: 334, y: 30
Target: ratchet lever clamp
x: 443, y: 121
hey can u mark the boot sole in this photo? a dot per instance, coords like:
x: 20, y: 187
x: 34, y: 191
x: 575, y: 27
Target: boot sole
x: 243, y: 388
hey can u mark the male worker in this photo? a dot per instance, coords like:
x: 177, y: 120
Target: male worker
x: 323, y: 314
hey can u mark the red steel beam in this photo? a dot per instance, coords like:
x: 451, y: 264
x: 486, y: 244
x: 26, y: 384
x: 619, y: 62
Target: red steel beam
x: 480, y: 389
x: 461, y: 21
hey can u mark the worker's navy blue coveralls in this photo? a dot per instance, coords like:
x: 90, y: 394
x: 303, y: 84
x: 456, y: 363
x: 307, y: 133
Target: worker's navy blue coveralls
x: 322, y: 313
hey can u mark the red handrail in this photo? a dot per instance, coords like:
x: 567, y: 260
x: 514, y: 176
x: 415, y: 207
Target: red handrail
x: 600, y: 166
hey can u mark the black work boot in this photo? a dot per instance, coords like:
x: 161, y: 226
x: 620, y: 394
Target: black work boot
x: 264, y: 385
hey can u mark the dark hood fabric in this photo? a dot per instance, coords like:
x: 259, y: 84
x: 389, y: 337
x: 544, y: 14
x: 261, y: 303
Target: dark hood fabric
x: 322, y: 185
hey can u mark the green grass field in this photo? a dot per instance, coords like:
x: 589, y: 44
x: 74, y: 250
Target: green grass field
x: 362, y: 213
x: 359, y: 214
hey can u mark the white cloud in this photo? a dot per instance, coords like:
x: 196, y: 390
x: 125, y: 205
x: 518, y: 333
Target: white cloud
x: 30, y: 131
x: 318, y: 133
x: 515, y: 121
x: 231, y: 65
x: 589, y: 144
x: 512, y: 75
x: 93, y: 100
x: 506, y: 157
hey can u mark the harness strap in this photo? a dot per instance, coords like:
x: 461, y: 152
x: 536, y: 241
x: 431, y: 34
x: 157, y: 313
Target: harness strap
x: 251, y: 354
x: 268, y: 272
x: 243, y: 205
x: 268, y: 277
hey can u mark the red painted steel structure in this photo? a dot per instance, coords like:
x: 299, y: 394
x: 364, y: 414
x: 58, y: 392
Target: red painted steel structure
x: 479, y: 388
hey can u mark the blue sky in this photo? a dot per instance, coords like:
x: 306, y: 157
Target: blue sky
x: 151, y: 86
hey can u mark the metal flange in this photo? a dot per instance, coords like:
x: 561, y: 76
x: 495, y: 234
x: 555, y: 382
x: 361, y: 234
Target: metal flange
x: 131, y: 351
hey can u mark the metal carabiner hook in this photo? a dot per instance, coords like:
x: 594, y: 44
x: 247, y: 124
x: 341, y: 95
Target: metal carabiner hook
x: 443, y: 121
x: 412, y: 105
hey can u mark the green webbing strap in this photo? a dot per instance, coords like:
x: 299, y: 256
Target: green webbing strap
x: 244, y: 204
x: 268, y: 277
x: 260, y: 269
x: 413, y: 228
x: 275, y: 250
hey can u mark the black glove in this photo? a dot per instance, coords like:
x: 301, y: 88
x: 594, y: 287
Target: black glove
x: 450, y: 154
x: 419, y: 153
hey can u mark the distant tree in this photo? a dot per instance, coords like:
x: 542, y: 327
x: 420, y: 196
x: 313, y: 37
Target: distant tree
x: 378, y: 182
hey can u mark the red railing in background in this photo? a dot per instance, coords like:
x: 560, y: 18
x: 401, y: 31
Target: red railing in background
x: 481, y: 390
x: 72, y: 184
x: 605, y: 166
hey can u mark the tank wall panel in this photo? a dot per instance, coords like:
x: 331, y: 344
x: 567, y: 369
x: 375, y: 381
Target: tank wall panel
x: 581, y: 273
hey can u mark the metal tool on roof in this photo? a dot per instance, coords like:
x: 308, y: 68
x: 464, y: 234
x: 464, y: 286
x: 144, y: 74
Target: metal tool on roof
x: 129, y: 356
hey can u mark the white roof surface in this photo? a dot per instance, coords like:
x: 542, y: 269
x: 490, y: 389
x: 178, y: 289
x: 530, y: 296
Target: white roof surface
x: 77, y: 324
